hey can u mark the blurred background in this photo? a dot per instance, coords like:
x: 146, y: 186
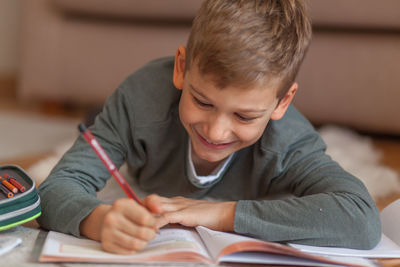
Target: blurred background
x: 60, y: 59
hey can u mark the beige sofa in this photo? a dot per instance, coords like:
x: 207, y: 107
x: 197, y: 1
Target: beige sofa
x: 79, y: 51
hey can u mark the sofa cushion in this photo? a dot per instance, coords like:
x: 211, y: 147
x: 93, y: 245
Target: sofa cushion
x: 357, y: 14
x: 176, y: 10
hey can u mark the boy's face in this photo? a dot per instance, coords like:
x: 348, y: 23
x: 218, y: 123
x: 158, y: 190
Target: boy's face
x: 222, y: 121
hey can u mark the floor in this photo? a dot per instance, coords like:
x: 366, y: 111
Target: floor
x: 9, y: 102
x: 389, y: 145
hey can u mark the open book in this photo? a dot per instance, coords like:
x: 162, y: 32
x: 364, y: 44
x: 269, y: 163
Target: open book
x: 200, y: 244
x: 180, y: 244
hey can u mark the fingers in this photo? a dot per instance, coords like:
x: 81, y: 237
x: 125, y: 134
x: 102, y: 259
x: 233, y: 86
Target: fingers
x: 154, y: 202
x: 166, y: 208
x: 177, y: 217
x: 192, y: 213
x: 127, y: 227
x: 121, y: 243
x: 162, y: 204
x: 134, y: 212
x: 183, y: 211
x: 161, y: 221
x: 131, y: 228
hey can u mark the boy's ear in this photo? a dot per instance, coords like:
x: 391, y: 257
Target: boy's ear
x: 283, y: 105
x: 179, y: 67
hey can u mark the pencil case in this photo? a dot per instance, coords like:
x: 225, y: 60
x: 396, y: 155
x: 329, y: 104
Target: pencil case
x: 19, y: 200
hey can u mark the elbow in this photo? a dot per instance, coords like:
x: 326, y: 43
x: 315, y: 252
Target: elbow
x: 373, y: 232
x: 368, y: 233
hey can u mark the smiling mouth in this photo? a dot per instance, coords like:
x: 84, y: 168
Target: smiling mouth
x: 213, y: 145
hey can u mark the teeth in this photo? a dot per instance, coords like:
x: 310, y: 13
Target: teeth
x: 213, y: 142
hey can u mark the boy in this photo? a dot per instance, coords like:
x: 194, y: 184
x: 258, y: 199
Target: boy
x: 216, y: 123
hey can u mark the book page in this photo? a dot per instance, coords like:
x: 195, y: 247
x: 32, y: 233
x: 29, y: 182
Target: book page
x: 390, y: 217
x: 386, y: 248
x: 231, y: 247
x: 274, y: 259
x: 170, y: 244
x: 217, y: 241
x: 220, y: 244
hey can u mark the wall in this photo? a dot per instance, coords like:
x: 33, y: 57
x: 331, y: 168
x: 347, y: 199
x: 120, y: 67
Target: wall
x: 10, y: 11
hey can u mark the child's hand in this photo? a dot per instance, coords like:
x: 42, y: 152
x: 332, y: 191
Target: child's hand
x: 123, y: 228
x: 214, y: 215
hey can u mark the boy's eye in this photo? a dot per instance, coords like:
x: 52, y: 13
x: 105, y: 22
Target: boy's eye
x: 200, y: 103
x: 244, y: 119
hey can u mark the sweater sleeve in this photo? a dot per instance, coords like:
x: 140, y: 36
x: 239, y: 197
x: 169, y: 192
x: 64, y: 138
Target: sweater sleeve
x: 68, y: 195
x: 327, y: 207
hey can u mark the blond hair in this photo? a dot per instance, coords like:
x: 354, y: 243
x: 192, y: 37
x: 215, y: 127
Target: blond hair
x: 249, y: 42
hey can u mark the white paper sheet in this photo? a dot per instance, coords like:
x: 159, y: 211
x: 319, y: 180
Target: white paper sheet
x: 7, y: 243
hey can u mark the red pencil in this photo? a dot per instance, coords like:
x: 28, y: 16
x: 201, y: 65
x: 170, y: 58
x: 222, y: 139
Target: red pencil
x: 16, y: 184
x: 87, y: 134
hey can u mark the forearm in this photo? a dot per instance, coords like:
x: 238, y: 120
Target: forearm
x: 64, y: 206
x: 68, y: 195
x: 324, y: 219
x: 328, y: 206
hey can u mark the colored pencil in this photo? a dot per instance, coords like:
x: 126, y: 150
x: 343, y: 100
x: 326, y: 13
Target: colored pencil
x: 9, y: 186
x: 16, y: 184
x: 5, y: 191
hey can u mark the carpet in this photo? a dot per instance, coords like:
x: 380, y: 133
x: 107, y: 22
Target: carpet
x: 32, y: 134
x: 357, y: 155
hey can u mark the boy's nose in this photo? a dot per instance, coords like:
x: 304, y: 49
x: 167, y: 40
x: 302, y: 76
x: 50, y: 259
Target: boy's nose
x: 218, y: 129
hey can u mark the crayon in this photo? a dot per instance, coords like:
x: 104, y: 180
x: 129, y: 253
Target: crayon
x: 9, y: 186
x: 5, y: 191
x: 16, y: 184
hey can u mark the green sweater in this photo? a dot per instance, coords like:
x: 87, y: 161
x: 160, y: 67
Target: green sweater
x: 323, y: 204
